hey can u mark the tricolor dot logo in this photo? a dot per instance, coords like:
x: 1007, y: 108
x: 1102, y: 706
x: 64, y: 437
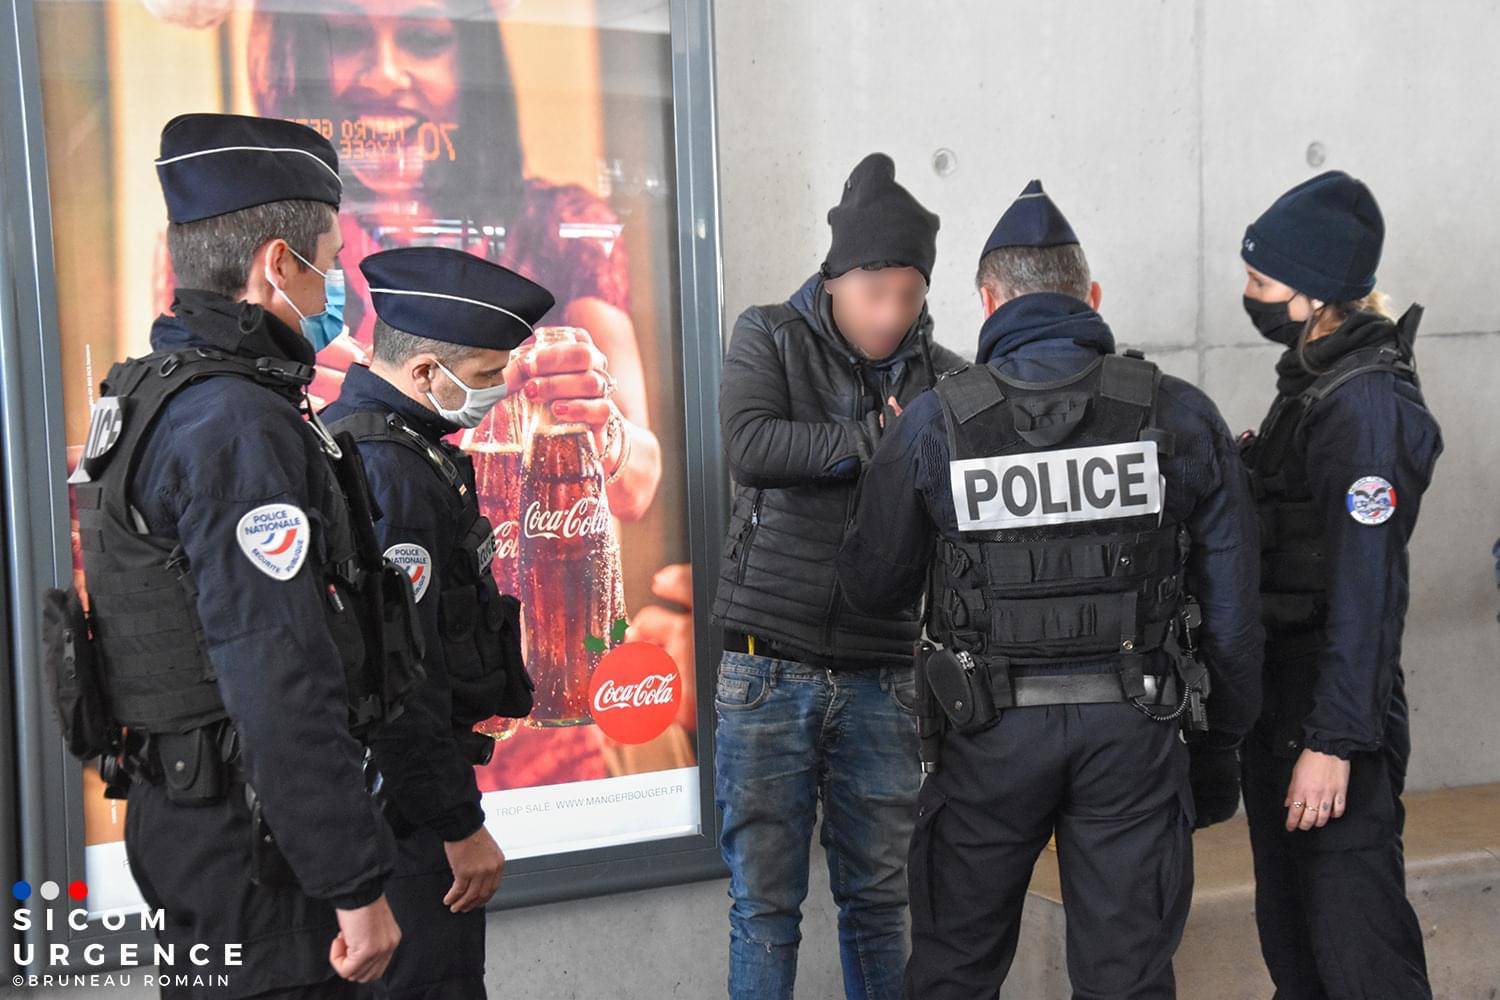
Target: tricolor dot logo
x: 78, y: 890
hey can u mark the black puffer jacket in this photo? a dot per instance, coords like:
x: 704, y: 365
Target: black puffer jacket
x: 799, y: 412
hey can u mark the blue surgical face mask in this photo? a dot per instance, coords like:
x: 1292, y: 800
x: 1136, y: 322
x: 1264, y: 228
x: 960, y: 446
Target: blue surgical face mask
x: 320, y: 328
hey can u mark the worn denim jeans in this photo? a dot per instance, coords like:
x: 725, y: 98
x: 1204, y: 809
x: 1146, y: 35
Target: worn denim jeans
x: 790, y: 735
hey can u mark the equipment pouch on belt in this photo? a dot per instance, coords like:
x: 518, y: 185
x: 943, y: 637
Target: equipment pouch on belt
x: 192, y: 768
x: 962, y: 690
x: 72, y: 673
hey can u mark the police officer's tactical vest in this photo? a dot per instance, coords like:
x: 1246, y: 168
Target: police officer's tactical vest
x: 146, y: 648
x: 1065, y: 553
x: 1293, y: 579
x: 480, y: 628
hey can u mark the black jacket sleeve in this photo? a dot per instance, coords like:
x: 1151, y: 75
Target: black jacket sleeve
x: 1359, y: 433
x: 883, y: 561
x: 767, y: 449
x: 1224, y: 574
x: 278, y: 667
x: 418, y: 756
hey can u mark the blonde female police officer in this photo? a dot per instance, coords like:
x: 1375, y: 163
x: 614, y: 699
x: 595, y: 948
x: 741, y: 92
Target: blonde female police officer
x: 1339, y: 468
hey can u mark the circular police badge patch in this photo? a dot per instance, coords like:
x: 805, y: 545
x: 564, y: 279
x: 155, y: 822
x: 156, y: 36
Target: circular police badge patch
x: 274, y: 537
x: 416, y: 561
x: 1371, y: 500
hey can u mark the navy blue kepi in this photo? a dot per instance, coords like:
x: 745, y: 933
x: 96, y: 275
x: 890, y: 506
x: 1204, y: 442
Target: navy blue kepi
x: 214, y: 164
x: 453, y: 296
x: 1031, y: 221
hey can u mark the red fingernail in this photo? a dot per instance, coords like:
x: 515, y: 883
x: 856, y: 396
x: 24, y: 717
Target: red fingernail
x: 531, y: 390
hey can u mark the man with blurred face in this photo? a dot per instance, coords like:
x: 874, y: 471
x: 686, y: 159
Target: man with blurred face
x: 814, y: 700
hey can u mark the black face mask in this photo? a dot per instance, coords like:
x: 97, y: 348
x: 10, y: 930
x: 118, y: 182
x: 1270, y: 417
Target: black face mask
x: 1273, y: 322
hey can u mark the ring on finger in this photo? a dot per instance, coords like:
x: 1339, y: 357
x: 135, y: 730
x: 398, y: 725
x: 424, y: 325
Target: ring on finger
x: 610, y: 385
x: 1299, y: 805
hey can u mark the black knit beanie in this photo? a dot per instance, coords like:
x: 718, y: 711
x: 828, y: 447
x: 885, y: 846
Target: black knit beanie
x: 878, y: 222
x: 1322, y: 238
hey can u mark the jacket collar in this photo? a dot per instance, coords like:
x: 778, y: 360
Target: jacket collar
x: 207, y: 319
x: 365, y: 390
x: 1042, y: 318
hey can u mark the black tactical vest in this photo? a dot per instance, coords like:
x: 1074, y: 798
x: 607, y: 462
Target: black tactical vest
x: 480, y: 628
x: 147, y: 642
x: 1293, y: 578
x: 1082, y: 577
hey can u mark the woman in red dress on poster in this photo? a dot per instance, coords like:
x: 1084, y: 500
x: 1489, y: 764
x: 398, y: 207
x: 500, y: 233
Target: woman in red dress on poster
x: 423, y: 111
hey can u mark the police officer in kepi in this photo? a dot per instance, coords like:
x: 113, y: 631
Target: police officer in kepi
x: 1074, y: 514
x: 1339, y: 468
x: 446, y: 324
x: 242, y: 630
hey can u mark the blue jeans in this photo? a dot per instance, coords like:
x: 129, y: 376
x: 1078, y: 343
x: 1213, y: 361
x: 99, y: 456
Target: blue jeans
x: 789, y: 735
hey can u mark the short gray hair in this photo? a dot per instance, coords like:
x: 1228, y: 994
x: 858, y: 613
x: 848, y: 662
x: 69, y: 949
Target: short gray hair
x: 1010, y: 272
x: 395, y: 347
x: 215, y: 254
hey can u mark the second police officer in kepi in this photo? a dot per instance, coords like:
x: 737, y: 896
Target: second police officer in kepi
x: 446, y: 323
x: 1061, y: 502
x: 237, y: 638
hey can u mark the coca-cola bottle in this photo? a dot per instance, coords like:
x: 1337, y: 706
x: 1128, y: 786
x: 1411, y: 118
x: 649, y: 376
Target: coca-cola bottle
x: 571, y: 580
x: 496, y: 446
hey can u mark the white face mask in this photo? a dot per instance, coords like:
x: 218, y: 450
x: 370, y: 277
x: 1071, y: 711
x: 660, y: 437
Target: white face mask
x: 477, y: 402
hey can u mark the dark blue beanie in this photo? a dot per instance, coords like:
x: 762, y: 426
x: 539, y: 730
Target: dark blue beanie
x: 1322, y: 238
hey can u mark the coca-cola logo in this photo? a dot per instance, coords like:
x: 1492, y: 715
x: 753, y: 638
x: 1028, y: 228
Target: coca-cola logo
x: 635, y: 692
x: 507, y: 540
x: 587, y: 516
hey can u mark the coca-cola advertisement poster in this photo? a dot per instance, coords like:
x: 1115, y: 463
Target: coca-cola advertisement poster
x: 539, y: 135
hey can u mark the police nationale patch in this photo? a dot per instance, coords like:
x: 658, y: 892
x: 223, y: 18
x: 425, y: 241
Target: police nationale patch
x: 416, y: 561
x: 1371, y: 500
x: 274, y: 537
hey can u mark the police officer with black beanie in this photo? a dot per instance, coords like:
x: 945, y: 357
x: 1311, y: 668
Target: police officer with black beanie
x: 1339, y: 468
x: 1060, y: 504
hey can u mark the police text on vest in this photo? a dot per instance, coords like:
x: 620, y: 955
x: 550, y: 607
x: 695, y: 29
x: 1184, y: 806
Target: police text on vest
x: 1056, y: 487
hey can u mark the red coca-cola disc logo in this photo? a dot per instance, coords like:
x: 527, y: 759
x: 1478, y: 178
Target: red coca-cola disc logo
x: 635, y: 692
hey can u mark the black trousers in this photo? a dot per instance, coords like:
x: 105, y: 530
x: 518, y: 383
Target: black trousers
x: 193, y: 862
x: 441, y: 955
x: 1330, y: 902
x: 1112, y: 785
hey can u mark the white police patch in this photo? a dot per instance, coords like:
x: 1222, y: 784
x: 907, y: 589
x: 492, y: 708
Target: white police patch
x: 1371, y: 500
x: 274, y: 537
x: 106, y: 420
x: 416, y: 561
x: 1056, y: 487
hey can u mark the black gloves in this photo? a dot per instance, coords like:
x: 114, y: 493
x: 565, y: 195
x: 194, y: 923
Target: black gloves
x: 1214, y: 774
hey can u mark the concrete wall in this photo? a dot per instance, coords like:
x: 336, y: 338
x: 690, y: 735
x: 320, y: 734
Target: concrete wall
x: 1162, y: 129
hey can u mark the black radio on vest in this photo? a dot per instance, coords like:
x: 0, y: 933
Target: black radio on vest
x: 480, y: 628
x: 1067, y: 552
x: 132, y: 680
